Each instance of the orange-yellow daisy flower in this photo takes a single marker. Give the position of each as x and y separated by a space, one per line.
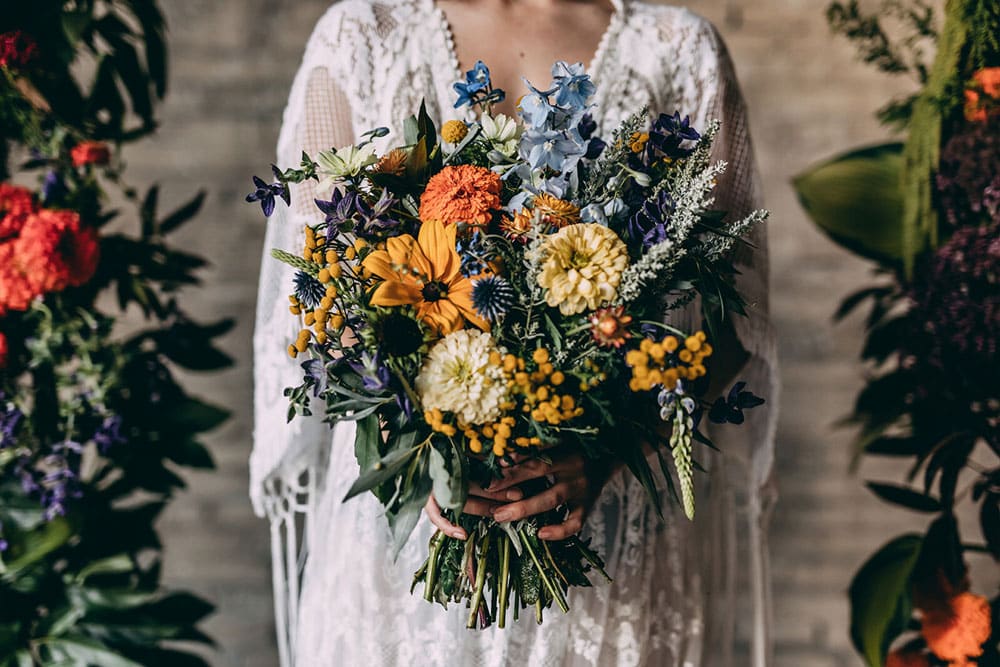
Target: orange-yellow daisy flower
465 193
424 272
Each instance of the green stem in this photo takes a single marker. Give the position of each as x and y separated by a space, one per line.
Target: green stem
504 582
477 597
592 559
538 611
553 590
552 562
437 542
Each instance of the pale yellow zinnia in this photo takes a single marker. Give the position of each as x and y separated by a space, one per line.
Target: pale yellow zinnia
582 267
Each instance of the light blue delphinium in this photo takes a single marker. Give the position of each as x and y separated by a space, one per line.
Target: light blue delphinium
572 86
559 151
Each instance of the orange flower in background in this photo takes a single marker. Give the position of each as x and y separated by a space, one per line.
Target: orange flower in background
425 272
16 291
989 81
465 193
55 251
90 152
956 631
904 658
16 204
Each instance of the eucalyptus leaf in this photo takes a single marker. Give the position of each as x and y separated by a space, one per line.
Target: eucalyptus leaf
448 477
381 471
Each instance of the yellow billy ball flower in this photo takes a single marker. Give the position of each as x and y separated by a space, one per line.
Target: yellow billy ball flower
454 131
582 267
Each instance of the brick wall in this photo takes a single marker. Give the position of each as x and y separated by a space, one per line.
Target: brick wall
232 65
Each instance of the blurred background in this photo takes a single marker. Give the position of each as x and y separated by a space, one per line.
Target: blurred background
233 63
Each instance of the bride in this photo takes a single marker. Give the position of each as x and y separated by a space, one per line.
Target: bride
691 594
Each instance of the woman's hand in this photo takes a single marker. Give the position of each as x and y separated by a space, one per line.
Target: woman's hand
480 503
574 484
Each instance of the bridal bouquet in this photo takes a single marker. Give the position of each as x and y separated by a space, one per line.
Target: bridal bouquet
484 294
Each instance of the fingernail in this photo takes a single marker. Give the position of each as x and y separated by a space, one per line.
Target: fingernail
501 516
458 534
515 494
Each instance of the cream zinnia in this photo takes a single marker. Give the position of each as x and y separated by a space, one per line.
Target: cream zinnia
458 377
582 267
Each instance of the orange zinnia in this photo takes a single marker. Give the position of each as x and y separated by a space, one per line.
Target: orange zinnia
465 193
957 631
989 80
425 272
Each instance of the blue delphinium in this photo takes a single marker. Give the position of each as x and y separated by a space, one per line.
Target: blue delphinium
477 88
557 150
492 297
573 87
266 193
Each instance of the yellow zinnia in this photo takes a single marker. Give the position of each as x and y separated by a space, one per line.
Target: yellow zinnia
582 267
424 272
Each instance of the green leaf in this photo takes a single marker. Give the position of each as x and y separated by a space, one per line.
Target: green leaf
905 497
33 546
119 564
183 214
85 652
880 598
448 477
856 199
381 471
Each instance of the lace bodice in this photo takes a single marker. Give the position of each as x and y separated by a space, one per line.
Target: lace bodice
369 63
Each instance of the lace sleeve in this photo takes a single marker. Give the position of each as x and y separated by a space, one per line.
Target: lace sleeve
748 451
288 459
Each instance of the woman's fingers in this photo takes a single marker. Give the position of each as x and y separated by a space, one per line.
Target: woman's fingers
558 494
571 466
500 495
433 512
572 525
480 506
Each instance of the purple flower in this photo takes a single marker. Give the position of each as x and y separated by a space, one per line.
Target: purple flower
375 376
374 223
10 421
266 194
53 187
669 133
968 178
109 434
648 224
340 212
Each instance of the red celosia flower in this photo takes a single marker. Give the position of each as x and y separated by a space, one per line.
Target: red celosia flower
90 152
16 204
989 81
16 291
17 49
3 350
55 251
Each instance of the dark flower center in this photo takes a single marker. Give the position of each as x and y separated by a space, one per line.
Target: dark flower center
399 335
434 291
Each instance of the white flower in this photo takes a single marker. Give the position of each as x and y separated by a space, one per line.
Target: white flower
459 377
338 164
502 132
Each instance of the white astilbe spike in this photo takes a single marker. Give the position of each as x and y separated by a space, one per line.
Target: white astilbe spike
656 263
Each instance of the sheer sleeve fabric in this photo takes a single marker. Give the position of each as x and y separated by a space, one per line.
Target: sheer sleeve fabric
744 468
288 459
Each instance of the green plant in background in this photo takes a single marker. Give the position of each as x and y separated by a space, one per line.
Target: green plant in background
927 212
93 425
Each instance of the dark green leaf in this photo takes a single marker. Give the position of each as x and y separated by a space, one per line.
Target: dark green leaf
880 598
381 471
85 652
906 497
857 200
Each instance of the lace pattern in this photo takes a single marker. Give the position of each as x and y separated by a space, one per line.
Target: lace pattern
686 594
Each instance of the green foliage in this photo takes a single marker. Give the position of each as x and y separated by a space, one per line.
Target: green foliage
876 620
84 588
856 200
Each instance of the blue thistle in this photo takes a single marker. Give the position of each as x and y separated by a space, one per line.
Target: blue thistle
308 290
492 297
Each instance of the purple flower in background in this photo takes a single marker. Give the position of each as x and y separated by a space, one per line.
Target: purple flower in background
968 178
10 420
109 434
53 187
954 338
374 374
266 193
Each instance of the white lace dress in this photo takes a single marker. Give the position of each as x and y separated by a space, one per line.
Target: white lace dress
685 594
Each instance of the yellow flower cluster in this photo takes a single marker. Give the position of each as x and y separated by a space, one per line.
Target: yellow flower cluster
637 142
541 389
453 131
666 362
